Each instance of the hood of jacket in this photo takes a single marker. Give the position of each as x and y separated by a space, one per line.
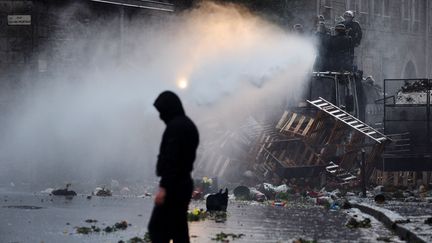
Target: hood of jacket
169 106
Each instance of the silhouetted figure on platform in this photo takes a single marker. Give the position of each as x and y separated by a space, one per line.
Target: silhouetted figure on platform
341 50
322 36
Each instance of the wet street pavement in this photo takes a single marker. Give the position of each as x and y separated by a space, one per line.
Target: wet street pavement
42 218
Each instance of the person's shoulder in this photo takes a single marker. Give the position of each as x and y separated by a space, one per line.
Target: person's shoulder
181 122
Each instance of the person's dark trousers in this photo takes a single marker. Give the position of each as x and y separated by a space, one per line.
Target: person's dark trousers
169 221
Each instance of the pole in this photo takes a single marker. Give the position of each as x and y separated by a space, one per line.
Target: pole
363 172
122 30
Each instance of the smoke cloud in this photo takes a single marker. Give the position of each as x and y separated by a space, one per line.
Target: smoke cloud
93 120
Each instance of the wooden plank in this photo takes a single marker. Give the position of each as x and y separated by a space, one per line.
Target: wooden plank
291 121
282 120
385 178
395 178
299 124
405 178
308 126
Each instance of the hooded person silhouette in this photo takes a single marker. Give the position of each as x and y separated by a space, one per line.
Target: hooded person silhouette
174 165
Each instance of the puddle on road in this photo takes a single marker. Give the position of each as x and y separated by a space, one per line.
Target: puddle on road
23 207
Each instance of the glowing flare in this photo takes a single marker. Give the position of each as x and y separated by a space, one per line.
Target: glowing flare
182 83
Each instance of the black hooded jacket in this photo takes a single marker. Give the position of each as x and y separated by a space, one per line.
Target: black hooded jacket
179 141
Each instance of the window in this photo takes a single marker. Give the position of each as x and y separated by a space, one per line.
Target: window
364 9
416 16
386 8
364 6
327 3
429 12
378 7
406 15
350 5
327 10
411 15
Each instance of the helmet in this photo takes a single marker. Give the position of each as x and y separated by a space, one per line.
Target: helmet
340 28
348 14
298 28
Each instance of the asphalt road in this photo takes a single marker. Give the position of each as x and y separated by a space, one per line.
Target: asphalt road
23 221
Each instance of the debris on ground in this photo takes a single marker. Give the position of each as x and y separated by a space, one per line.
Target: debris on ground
196 214
48 191
102 192
384 238
380 199
242 193
122 225
22 207
64 192
217 216
91 221
301 240
225 237
147 194
358 223
205 186
84 230
136 239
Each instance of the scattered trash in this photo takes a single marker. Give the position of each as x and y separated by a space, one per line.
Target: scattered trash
242 193
102 192
301 240
218 216
122 225
197 195
218 201
398 195
196 214
108 229
115 184
354 223
334 206
48 191
84 230
278 203
23 207
346 205
64 192
147 194
256 195
125 191
91 221
136 239
225 237
384 238
380 198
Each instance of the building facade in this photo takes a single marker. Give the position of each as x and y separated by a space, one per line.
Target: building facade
396 35
396 40
29 26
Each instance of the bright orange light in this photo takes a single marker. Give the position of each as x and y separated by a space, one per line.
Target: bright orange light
182 83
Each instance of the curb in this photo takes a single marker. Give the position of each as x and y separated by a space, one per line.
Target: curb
395 223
